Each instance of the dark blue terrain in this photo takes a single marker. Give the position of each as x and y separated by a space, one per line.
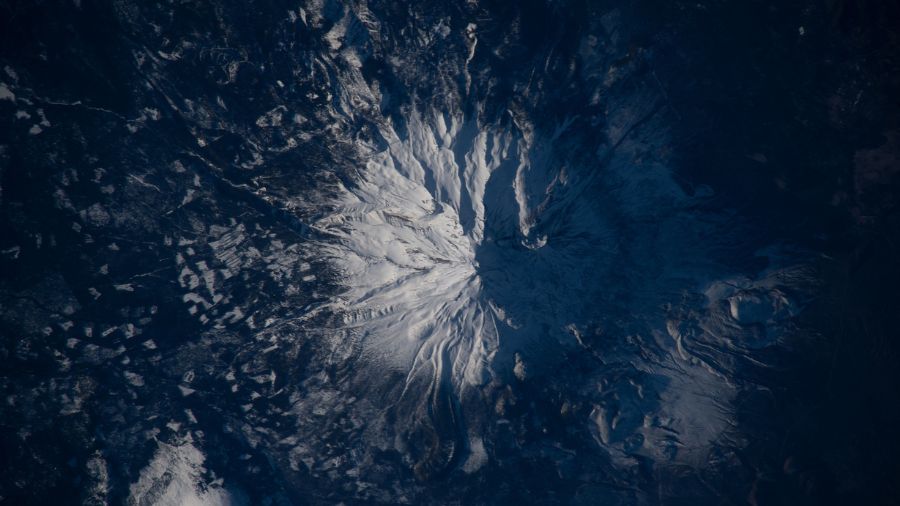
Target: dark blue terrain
450 252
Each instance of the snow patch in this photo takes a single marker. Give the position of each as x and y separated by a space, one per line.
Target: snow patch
175 477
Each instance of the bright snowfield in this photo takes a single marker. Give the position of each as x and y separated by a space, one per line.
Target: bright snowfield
408 241
175 477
